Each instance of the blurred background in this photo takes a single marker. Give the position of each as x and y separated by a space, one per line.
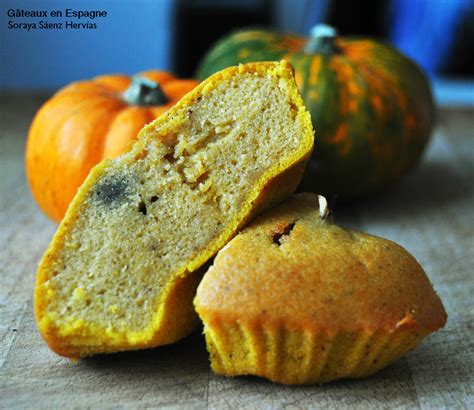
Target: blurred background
174 34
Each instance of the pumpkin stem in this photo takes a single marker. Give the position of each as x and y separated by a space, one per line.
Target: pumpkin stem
143 91
321 40
324 210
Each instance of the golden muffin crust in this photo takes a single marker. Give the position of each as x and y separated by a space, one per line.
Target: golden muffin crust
297 299
122 269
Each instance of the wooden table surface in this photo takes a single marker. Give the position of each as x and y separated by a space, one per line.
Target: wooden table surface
430 213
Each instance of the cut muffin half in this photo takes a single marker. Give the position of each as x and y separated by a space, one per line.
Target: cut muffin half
122 269
298 300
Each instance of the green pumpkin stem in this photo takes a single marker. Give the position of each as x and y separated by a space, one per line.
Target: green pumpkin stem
143 91
322 40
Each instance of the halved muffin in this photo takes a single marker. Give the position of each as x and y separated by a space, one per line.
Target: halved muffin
122 269
298 300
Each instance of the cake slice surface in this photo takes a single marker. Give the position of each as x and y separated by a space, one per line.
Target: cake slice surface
122 269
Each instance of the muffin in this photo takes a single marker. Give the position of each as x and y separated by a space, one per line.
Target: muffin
122 269
298 300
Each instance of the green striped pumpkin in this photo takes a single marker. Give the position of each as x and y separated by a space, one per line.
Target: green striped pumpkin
371 106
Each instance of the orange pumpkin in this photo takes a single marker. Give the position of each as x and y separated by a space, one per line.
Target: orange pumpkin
88 121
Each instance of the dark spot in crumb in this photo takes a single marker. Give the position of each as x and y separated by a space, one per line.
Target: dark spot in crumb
293 109
142 207
111 191
201 179
276 237
170 157
154 198
141 155
14 330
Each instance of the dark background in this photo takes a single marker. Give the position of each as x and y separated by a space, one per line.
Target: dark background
436 33
174 34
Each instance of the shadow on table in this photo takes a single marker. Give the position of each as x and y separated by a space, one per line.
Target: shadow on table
184 357
432 185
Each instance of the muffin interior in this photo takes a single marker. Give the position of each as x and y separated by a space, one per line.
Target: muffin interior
155 208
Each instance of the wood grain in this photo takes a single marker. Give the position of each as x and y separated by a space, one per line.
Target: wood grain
430 212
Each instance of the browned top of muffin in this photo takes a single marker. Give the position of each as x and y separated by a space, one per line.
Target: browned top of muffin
291 267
